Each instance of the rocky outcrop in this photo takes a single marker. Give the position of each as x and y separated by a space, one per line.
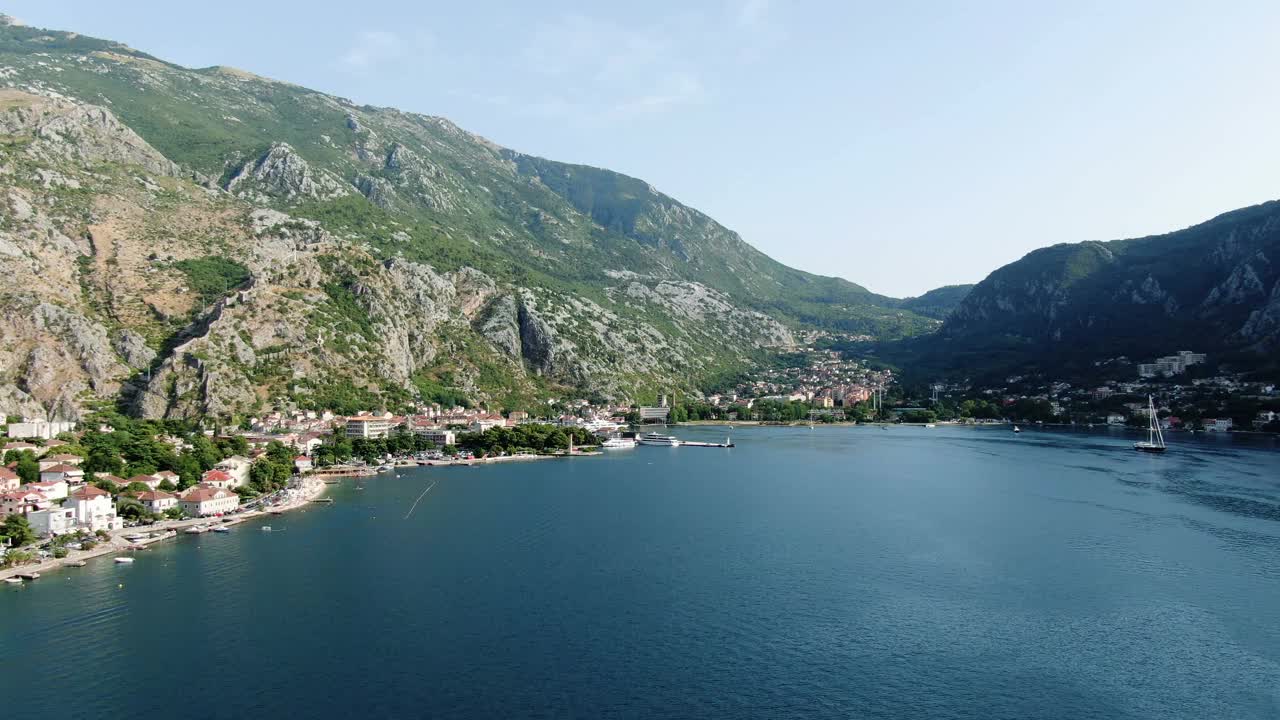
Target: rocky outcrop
281 172
537 344
65 131
500 325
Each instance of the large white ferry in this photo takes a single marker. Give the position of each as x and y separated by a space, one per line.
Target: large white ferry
657 439
618 443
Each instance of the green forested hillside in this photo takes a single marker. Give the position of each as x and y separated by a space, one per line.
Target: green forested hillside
387 255
1213 287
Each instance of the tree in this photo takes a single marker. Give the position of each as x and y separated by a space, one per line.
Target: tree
175 513
136 487
18 530
28 468
130 509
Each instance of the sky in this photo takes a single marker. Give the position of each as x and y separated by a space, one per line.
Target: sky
902 146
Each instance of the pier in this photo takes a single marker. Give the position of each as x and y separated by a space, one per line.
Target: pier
693 443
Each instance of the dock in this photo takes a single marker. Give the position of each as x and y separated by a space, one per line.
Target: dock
692 443
324 501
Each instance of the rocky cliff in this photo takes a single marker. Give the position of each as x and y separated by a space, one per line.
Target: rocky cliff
210 242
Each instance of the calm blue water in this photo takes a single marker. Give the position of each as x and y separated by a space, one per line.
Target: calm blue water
838 572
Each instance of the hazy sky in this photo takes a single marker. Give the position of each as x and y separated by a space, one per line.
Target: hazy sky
900 147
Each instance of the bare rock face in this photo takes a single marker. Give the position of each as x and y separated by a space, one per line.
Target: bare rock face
537 343
500 325
76 132
51 355
378 191
283 173
133 348
1262 329
474 289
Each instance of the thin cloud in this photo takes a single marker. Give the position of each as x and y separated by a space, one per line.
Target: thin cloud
372 48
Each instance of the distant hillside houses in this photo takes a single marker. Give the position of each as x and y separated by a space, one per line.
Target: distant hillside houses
1170 365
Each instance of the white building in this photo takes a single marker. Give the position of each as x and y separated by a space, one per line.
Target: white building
157 501
151 481
9 480
368 427
52 489
42 429
22 502
69 474
93 509
1218 424
238 467
53 521
437 436
203 501
218 479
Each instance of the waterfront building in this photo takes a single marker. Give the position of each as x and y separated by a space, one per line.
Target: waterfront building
654 414
93 509
203 501
157 501
1219 424
52 521
440 437
302 463
368 427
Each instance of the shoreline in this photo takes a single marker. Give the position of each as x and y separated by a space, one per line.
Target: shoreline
310 489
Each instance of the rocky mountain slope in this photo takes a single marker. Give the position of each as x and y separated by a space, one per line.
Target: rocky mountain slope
207 241
1214 287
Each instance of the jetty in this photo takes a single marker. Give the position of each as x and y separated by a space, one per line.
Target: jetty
693 443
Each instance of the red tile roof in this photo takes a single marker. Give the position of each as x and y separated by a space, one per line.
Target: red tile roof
60 468
153 495
215 476
90 491
203 493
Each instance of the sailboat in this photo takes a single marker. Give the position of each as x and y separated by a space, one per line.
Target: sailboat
1155 439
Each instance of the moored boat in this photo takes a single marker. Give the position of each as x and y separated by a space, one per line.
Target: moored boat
659 439
618 443
124 560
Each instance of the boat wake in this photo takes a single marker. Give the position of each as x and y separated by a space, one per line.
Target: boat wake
415 502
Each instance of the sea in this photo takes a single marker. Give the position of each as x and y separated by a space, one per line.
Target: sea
832 572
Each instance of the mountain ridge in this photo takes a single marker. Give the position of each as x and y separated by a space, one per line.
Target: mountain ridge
1211 287
268 244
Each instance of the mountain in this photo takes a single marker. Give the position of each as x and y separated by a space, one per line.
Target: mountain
1213 287
193 242
937 303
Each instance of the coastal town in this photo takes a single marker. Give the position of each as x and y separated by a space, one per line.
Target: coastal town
69 490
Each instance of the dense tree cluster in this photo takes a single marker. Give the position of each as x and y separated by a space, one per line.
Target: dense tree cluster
530 437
